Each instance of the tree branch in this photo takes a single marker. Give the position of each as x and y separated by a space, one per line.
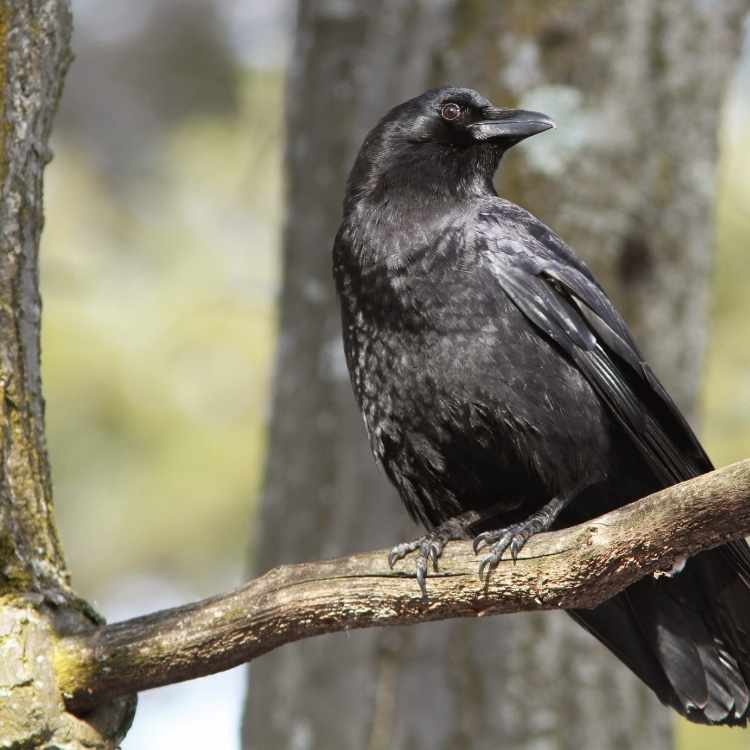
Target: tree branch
578 567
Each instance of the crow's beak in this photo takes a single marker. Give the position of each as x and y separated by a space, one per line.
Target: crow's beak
509 125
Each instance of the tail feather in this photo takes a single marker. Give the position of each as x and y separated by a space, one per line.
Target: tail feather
727 690
612 623
687 636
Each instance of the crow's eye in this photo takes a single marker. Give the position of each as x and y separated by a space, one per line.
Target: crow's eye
450 111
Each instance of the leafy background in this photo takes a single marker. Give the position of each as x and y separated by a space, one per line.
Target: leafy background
160 269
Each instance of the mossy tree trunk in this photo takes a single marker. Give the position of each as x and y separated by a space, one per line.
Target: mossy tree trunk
36 602
627 179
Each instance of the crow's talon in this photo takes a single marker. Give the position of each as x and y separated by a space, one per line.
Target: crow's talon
421 566
400 551
487 560
512 538
430 547
483 540
515 548
434 553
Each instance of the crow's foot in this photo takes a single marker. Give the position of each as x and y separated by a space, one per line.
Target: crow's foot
430 546
513 537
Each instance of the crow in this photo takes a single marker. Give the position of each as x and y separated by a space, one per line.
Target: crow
503 394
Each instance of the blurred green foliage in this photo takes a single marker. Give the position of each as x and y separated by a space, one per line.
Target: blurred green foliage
726 423
157 345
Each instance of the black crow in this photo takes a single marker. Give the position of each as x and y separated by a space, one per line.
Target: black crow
503 394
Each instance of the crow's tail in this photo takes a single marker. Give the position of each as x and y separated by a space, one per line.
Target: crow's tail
687 637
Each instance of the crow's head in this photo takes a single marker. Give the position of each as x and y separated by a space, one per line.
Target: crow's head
461 118
446 139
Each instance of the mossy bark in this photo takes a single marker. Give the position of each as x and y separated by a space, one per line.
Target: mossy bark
627 180
36 602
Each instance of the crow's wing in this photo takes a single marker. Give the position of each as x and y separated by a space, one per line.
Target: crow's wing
695 625
559 296
555 290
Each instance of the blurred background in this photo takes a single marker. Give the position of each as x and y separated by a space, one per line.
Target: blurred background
161 267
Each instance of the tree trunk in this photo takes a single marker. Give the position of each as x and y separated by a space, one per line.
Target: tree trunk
627 180
35 599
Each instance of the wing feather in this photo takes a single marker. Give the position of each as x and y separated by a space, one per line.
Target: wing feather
566 304
704 655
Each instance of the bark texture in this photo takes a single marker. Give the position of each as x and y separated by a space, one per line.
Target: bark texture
627 180
35 599
33 66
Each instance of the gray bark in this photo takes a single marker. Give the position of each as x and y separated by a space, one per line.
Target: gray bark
627 180
36 602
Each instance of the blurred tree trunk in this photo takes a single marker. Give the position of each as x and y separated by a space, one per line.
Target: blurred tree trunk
35 598
627 180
